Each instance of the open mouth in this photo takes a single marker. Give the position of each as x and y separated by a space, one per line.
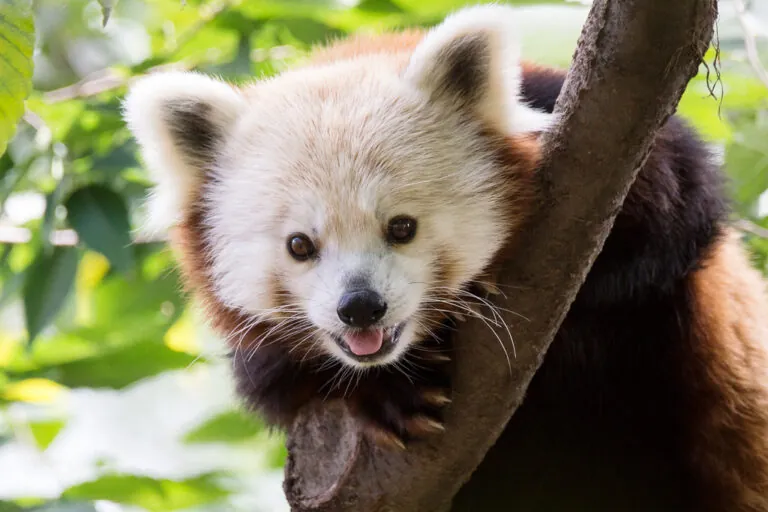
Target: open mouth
369 344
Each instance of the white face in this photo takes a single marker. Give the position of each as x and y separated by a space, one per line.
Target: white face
391 203
354 196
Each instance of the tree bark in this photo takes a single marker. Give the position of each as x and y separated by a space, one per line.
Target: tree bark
632 64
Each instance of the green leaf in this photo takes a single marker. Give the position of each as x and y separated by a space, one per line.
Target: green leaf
17 41
119 367
747 163
153 495
54 350
379 6
758 248
11 285
309 31
278 456
48 281
45 432
126 309
100 217
228 427
65 506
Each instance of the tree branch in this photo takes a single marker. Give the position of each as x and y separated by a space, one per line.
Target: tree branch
631 67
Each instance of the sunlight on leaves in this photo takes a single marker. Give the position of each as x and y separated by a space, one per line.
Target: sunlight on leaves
35 391
17 39
116 368
153 495
182 335
45 432
228 427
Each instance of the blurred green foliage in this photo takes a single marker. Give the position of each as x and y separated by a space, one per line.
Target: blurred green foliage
81 307
16 47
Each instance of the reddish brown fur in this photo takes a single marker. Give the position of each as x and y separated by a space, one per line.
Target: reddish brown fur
360 45
394 43
728 381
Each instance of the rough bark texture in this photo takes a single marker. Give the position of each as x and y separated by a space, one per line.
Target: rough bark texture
632 64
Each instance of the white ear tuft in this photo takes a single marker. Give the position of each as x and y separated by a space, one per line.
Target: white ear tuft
179 120
472 61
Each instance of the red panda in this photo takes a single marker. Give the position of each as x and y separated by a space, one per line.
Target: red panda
333 220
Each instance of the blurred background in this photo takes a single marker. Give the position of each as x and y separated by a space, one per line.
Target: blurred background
113 394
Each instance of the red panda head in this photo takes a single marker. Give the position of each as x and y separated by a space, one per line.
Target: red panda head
342 207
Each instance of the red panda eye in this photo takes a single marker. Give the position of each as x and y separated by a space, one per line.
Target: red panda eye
401 229
300 247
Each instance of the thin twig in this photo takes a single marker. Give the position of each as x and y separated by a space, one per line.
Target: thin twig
101 81
750 42
110 79
747 226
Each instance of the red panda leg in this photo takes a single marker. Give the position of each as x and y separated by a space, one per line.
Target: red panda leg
728 382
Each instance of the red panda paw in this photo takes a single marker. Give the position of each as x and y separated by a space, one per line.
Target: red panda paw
394 425
397 409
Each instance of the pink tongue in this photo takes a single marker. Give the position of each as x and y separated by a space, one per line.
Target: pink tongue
363 343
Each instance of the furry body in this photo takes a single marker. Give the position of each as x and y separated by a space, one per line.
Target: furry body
653 395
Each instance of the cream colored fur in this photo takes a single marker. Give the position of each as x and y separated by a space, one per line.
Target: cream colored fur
501 106
176 181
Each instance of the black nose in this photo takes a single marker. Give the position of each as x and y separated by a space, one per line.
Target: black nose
361 308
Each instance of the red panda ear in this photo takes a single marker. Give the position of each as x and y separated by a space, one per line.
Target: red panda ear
472 62
180 121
